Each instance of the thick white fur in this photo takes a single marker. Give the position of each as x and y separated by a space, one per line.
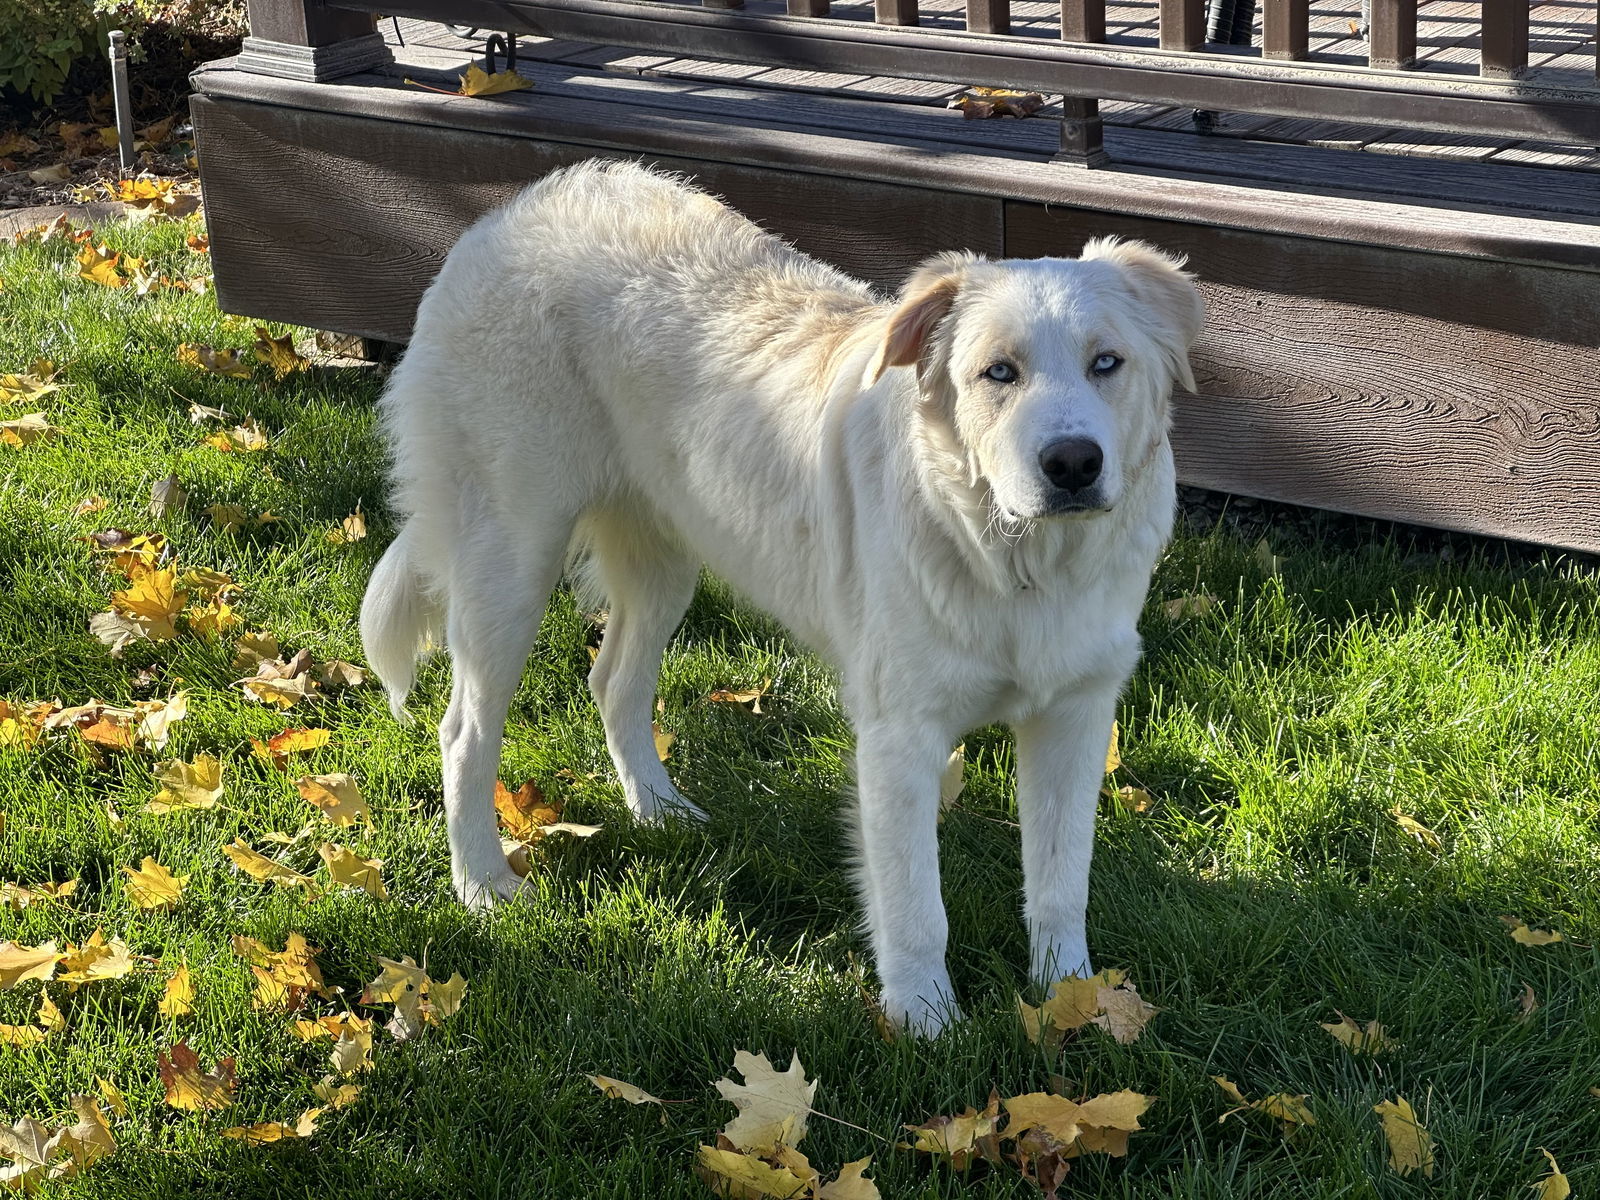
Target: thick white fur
619 365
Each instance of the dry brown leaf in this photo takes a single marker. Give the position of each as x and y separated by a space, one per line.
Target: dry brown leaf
1291 1111
186 786
166 495
751 696
1410 1147
279 353
213 361
337 797
478 82
1553 1186
985 102
266 1132
190 1088
25 431
352 529
773 1105
960 1138
349 869
1374 1039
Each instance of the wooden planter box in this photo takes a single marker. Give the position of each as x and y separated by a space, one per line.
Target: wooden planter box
1383 339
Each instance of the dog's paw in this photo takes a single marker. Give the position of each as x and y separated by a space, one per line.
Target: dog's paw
482 890
657 809
925 1017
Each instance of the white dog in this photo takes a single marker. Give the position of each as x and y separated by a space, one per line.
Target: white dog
957 498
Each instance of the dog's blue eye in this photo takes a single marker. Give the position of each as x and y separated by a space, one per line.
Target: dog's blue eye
1106 364
1002 372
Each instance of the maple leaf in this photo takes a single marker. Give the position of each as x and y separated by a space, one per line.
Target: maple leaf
335 1095
1528 1004
265 870
209 621
735 1174
19 897
187 786
1106 1000
416 998
1134 800
155 600
20 963
153 886
401 984
1195 605
283 977
282 683
1523 936
25 431
1114 749
851 1183
90 505
352 1052
97 264
750 696
334 1026
1553 1186
953 780
279 353
352 529
95 961
265 1132
113 1096
191 1089
253 649
1416 829
478 82
336 673
524 812
1410 1147
165 495
25 388
198 242
349 869
213 361
664 741
156 718
961 1137
337 797
280 746
177 998
984 102
772 1105
1289 1109
1374 1039
247 438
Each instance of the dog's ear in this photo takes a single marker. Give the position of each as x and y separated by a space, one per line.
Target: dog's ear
1163 288
924 301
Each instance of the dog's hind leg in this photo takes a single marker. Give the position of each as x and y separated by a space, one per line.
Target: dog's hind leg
497 589
649 581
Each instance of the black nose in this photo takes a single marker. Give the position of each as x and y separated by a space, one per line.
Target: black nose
1072 464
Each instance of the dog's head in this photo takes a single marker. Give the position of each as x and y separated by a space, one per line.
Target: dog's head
1054 374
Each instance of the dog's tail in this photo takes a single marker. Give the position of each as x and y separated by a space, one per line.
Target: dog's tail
400 621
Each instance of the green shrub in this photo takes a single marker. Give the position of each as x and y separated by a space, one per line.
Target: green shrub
41 39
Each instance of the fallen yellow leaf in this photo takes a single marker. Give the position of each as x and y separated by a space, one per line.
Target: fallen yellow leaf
177 999
1410 1147
152 885
349 869
478 82
191 1089
187 785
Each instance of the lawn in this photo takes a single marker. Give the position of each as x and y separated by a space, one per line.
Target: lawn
1267 888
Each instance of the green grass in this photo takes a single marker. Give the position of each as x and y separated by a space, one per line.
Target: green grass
1268 888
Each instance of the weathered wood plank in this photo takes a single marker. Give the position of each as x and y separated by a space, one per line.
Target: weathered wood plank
1408 386
334 260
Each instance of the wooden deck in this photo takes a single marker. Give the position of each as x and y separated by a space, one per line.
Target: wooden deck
1562 53
1400 325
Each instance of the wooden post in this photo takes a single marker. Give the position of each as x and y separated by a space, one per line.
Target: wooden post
309 41
1505 39
722 3
895 12
807 8
1392 40
1082 133
1285 28
1083 20
989 16
1183 24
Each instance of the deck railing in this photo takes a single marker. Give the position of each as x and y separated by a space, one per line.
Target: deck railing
1505 99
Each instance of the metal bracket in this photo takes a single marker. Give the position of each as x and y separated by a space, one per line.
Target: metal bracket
505 44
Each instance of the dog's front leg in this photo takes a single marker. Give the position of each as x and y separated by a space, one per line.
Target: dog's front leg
897 767
1061 756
